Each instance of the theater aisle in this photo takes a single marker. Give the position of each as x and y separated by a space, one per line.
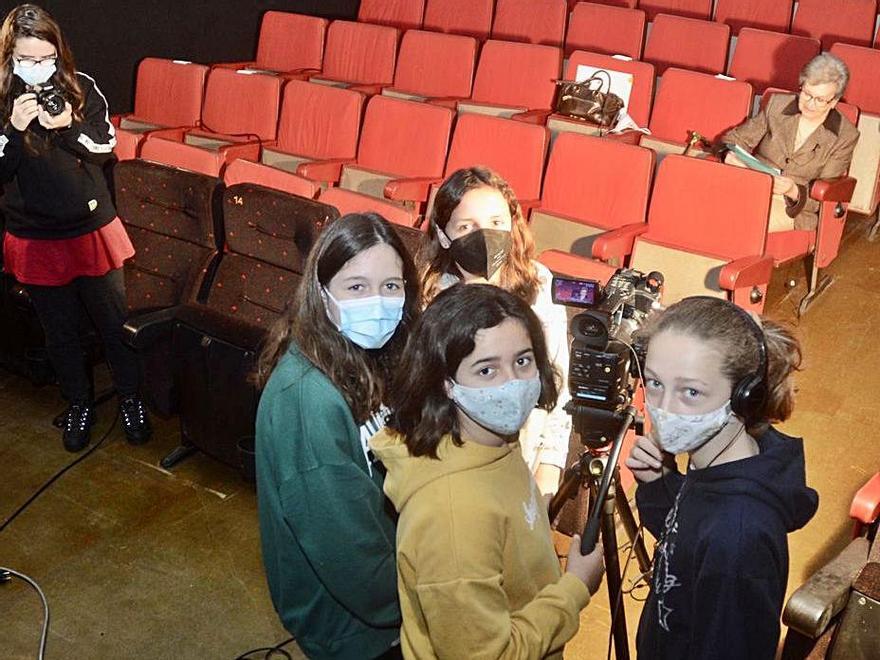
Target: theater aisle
141 563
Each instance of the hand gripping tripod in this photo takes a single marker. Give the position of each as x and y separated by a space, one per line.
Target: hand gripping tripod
597 469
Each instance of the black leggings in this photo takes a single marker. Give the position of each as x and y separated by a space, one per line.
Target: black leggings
60 309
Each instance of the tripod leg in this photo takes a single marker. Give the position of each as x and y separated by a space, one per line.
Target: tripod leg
612 573
629 524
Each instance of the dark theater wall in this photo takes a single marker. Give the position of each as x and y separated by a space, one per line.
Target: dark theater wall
109 37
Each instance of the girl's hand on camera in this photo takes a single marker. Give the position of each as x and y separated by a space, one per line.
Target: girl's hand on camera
64 120
588 568
24 109
647 461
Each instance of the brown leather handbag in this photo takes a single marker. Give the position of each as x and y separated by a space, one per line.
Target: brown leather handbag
591 100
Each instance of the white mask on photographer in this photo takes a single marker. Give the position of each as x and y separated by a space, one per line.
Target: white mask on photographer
37 74
502 409
679 434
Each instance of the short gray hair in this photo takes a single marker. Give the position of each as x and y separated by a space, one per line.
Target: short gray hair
826 68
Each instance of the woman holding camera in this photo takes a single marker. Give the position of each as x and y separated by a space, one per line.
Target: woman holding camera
478 573
715 380
63 240
327 530
478 234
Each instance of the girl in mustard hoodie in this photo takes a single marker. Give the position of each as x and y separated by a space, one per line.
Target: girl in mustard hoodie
477 572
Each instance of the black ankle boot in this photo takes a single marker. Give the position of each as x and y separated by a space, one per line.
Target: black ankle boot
135 421
78 426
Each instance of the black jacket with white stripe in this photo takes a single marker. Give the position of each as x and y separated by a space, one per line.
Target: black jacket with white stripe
58 189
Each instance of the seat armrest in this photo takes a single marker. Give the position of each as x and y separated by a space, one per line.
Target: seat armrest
231 330
527 205
617 243
324 171
865 506
833 190
746 272
249 150
243 64
538 117
145 329
414 189
299 74
173 134
369 89
813 605
450 102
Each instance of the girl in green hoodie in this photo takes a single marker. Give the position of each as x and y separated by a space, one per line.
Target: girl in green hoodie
478 574
327 530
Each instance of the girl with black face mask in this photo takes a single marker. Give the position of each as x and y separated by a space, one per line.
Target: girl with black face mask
478 235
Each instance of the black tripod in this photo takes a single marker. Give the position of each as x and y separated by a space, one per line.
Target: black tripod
597 468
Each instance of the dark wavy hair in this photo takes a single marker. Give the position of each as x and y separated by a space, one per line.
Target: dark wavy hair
518 274
421 410
33 21
361 375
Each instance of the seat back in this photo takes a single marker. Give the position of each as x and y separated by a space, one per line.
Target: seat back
472 18
532 21
436 65
241 104
590 183
348 201
246 171
600 28
775 15
831 21
701 9
863 64
169 93
517 74
402 14
639 107
360 53
516 150
688 100
688 43
771 59
319 121
277 50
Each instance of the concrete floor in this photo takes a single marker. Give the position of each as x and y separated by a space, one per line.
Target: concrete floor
138 562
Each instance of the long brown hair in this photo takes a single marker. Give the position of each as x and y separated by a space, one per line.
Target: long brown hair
362 376
518 274
33 21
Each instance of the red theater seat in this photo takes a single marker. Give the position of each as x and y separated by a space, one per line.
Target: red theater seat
246 171
687 43
348 201
167 94
515 78
240 112
289 43
831 21
532 21
359 55
472 18
604 29
591 186
433 66
701 9
626 4
762 14
402 14
771 59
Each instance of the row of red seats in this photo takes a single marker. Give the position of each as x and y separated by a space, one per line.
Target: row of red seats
544 21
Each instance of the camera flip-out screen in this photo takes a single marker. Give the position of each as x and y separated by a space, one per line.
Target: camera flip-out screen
577 293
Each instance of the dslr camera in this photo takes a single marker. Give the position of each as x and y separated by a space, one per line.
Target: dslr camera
602 369
49 99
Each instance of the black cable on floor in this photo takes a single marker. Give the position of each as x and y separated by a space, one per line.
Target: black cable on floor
60 473
270 651
4 573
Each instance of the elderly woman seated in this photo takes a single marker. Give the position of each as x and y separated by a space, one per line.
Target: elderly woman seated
804 137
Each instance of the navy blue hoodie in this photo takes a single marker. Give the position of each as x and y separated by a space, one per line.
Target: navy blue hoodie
721 566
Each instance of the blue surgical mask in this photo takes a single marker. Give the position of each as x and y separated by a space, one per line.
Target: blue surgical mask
503 408
368 322
35 75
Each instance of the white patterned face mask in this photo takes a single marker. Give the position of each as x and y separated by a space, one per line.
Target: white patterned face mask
679 434
502 409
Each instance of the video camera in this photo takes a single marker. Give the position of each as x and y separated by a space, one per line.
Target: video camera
601 368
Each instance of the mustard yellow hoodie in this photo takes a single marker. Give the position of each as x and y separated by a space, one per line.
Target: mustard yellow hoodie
477 573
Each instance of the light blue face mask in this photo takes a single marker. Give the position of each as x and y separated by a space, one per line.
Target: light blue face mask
368 322
35 75
503 408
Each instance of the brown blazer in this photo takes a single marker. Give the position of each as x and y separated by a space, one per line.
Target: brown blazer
825 154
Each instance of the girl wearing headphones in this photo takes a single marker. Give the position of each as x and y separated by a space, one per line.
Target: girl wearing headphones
715 380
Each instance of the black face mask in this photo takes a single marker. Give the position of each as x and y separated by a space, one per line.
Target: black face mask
482 252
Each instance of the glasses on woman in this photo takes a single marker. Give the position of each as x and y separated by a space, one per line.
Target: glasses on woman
31 62
818 100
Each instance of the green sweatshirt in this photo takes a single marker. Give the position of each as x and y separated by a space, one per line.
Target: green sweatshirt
327 535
